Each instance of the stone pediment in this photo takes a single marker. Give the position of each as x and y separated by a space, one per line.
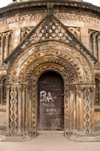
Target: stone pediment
50 28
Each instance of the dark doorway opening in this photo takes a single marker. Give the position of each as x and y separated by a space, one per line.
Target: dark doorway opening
50 102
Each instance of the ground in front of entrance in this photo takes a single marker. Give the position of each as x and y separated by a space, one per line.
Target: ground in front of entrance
49 143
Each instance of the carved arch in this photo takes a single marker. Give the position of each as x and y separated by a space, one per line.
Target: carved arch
60 51
4 47
34 79
9 43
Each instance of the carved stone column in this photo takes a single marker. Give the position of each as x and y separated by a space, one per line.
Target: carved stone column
77 107
92 89
2 50
66 109
98 48
6 53
99 92
27 99
7 106
72 111
23 108
79 104
71 105
13 108
88 101
1 94
30 109
94 46
19 87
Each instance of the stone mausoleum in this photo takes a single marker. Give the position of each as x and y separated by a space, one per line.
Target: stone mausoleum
50 70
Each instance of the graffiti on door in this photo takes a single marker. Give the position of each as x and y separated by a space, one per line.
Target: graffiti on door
47 101
46 97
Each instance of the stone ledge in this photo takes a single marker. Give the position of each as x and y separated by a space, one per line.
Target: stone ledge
96 133
12 139
96 108
37 3
2 132
3 127
85 139
16 138
3 108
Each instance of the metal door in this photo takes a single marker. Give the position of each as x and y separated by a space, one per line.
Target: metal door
50 102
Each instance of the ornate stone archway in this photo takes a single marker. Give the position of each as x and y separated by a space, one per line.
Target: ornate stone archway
77 73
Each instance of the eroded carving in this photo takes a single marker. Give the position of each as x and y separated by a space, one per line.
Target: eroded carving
27 17
84 18
52 49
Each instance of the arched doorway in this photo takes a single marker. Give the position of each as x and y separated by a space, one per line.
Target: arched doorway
50 102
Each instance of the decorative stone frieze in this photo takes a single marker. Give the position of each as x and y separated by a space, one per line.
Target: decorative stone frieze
21 18
75 17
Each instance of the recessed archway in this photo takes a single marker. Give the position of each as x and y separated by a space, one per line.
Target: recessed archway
50 102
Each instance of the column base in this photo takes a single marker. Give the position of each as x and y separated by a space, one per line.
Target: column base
84 138
16 138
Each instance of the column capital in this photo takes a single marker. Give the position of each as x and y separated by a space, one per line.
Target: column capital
98 38
13 87
86 87
92 87
27 87
19 87
8 87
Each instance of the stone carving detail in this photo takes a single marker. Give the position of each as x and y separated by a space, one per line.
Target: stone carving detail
94 41
84 18
37 52
61 16
21 18
13 110
5 44
75 31
50 29
34 107
3 91
87 111
71 74
25 31
97 118
97 91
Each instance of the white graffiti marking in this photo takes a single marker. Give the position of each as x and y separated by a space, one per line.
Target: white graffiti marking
46 97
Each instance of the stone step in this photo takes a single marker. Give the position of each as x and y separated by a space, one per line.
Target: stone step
13 139
50 133
2 132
